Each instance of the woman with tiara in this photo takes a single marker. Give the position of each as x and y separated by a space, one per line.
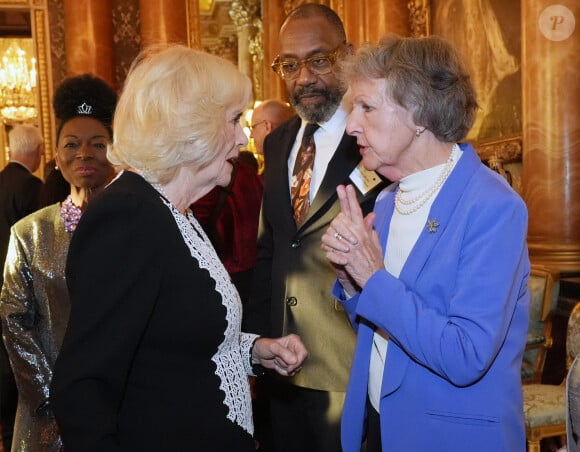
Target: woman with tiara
34 303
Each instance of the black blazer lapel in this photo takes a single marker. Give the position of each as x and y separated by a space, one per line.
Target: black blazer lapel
343 162
277 147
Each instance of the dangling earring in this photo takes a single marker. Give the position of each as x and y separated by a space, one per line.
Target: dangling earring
419 132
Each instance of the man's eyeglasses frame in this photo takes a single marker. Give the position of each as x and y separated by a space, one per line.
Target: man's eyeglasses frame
252 126
277 65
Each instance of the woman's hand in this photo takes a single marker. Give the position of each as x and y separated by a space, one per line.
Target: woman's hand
351 243
285 354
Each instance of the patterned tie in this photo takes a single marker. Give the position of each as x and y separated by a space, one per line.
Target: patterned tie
302 174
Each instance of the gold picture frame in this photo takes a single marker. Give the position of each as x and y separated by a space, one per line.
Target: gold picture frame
38 11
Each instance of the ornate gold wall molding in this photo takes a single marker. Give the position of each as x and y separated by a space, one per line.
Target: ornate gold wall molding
42 42
289 5
504 156
256 49
244 12
193 24
506 150
338 7
246 15
420 18
40 37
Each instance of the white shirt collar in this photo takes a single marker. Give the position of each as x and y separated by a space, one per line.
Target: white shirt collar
336 124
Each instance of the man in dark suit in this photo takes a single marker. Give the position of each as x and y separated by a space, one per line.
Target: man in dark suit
19 196
19 188
293 279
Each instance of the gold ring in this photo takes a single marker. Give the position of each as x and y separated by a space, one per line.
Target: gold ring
338 236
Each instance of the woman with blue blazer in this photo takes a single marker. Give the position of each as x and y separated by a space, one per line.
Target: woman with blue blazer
435 279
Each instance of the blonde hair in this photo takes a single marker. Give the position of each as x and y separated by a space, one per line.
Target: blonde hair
172 110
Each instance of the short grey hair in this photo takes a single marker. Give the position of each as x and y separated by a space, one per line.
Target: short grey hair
24 139
423 75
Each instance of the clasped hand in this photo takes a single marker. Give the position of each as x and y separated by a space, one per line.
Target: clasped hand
285 354
351 244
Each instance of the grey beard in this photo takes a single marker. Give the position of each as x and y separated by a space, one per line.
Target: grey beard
320 113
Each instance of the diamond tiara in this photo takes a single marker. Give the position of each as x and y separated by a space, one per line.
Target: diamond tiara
84 109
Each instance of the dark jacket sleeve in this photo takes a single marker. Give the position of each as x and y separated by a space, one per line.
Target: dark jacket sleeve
113 274
256 318
28 199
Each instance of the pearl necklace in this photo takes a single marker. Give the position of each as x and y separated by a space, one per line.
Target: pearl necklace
409 206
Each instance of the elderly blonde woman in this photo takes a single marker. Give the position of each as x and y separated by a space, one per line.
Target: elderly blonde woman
153 357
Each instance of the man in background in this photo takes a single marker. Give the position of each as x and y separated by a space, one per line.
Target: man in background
19 188
292 278
19 196
229 215
266 117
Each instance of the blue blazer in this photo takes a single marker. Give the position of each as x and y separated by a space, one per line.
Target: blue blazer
457 319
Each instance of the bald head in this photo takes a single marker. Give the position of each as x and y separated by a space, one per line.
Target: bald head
266 117
309 10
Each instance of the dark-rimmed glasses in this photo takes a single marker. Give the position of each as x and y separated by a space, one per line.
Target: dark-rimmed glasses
252 126
318 65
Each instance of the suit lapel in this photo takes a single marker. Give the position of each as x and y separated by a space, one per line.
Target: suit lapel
440 213
343 162
277 147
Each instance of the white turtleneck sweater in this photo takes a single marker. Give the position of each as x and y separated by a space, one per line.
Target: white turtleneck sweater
404 231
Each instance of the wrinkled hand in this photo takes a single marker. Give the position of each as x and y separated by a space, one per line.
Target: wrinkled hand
285 354
351 243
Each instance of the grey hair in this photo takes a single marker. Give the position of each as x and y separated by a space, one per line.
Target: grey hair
24 140
423 75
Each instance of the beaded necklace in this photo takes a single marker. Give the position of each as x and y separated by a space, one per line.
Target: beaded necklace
70 214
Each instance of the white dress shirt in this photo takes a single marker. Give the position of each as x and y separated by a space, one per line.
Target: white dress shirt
327 138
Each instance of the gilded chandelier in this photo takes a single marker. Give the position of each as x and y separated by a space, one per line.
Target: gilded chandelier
17 85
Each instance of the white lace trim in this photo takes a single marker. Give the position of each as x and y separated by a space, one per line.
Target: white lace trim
232 358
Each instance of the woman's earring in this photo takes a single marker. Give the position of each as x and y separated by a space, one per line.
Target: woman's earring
419 131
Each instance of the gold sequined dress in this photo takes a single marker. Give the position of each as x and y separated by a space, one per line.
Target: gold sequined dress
34 307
